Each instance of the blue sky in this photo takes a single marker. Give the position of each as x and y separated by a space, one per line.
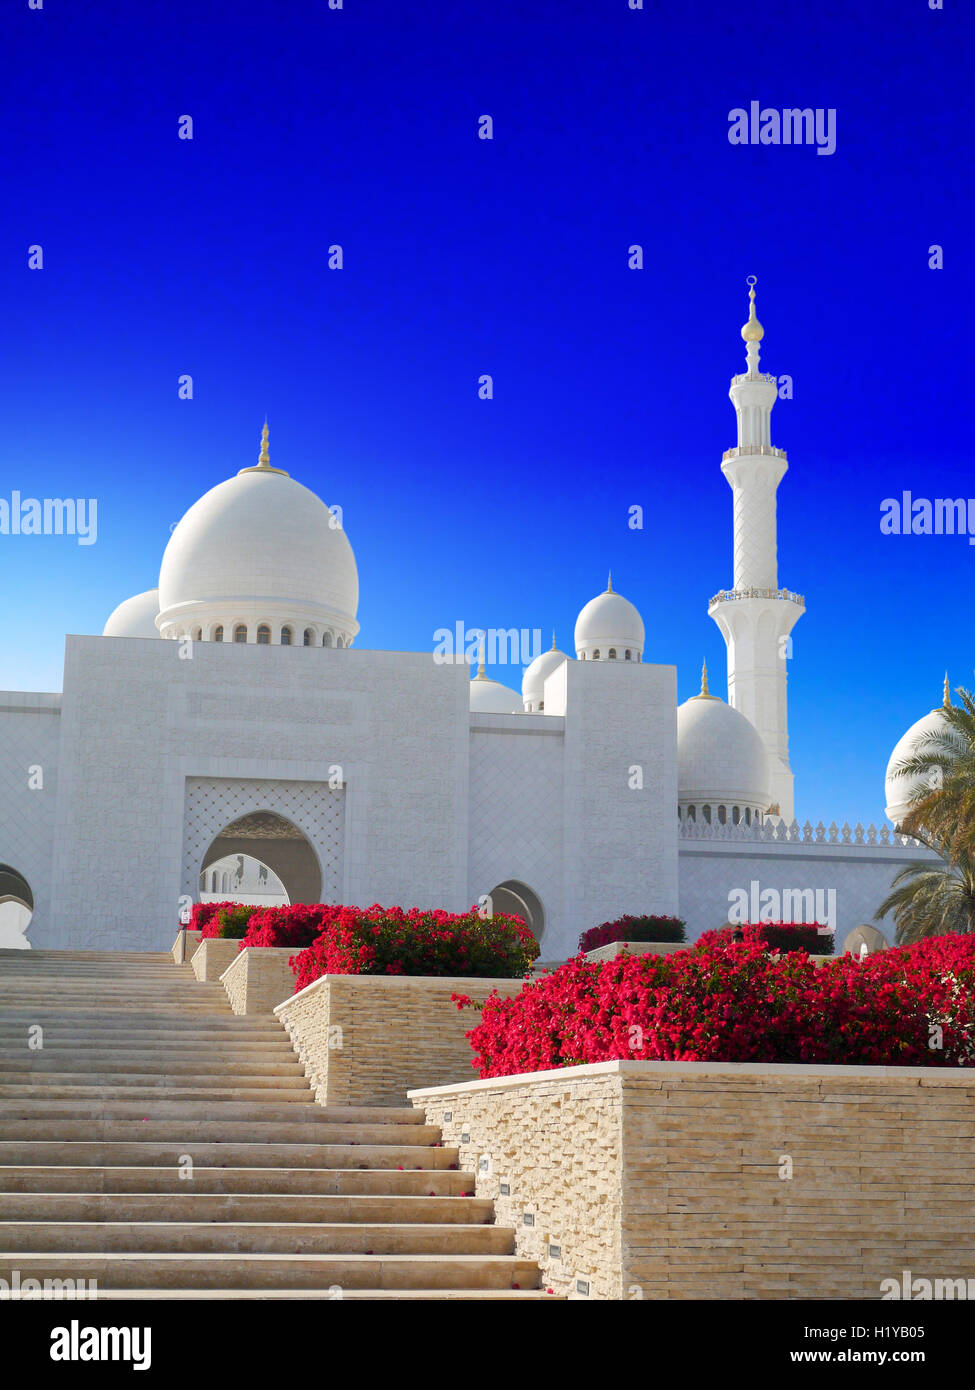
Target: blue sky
462 257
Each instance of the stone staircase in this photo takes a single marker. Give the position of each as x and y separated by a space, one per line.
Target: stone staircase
168 1149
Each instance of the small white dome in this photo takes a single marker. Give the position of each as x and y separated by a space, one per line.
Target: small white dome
536 674
260 547
491 697
721 757
136 617
900 789
608 627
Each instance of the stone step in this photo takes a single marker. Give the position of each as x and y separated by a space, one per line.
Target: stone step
290 1208
147 1045
288 1093
372 1118
295 1130
253 1237
181 1039
238 1270
174 1019
156 1153
151 1064
61 1180
345 1295
52 954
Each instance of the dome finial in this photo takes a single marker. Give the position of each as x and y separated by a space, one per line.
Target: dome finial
264 459
752 332
609 583
704 679
554 648
947 704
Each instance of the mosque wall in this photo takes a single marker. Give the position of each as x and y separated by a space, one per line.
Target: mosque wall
846 881
29 737
141 722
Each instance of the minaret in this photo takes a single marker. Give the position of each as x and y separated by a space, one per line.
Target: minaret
756 616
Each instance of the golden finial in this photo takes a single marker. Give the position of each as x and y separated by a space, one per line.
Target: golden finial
609 583
480 671
704 679
753 332
554 648
947 704
264 460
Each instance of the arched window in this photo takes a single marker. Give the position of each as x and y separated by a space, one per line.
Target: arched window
339 641
723 815
263 635
326 639
595 655
735 815
286 635
198 635
213 881
218 633
628 654
748 815
240 633
309 637
692 813
707 813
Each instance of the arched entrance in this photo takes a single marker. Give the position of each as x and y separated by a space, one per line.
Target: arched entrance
520 901
273 842
16 909
245 879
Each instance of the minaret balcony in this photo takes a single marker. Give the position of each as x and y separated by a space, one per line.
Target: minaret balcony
734 595
745 449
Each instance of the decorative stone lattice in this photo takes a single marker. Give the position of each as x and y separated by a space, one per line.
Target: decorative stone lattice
213 804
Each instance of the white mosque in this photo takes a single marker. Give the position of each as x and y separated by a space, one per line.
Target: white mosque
260 753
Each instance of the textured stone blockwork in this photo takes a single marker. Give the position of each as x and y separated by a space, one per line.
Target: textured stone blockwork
259 978
700 1180
365 1039
212 956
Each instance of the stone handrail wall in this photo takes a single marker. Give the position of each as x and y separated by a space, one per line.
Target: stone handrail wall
365 1039
259 978
720 1181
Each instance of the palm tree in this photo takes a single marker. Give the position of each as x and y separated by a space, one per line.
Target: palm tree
932 899
943 805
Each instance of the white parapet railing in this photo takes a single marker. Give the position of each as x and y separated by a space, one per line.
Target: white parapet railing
776 831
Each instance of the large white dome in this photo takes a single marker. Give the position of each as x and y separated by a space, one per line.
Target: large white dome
536 674
899 788
263 553
136 617
609 628
721 759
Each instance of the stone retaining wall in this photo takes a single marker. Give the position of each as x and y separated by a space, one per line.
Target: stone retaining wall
365 1039
700 1180
212 956
258 978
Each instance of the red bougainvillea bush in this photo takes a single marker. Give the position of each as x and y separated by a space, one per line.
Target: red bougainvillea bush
644 928
780 936
229 921
298 924
202 914
737 1002
391 941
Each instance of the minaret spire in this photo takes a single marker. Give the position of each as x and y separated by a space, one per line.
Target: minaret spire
609 583
947 704
756 616
264 458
